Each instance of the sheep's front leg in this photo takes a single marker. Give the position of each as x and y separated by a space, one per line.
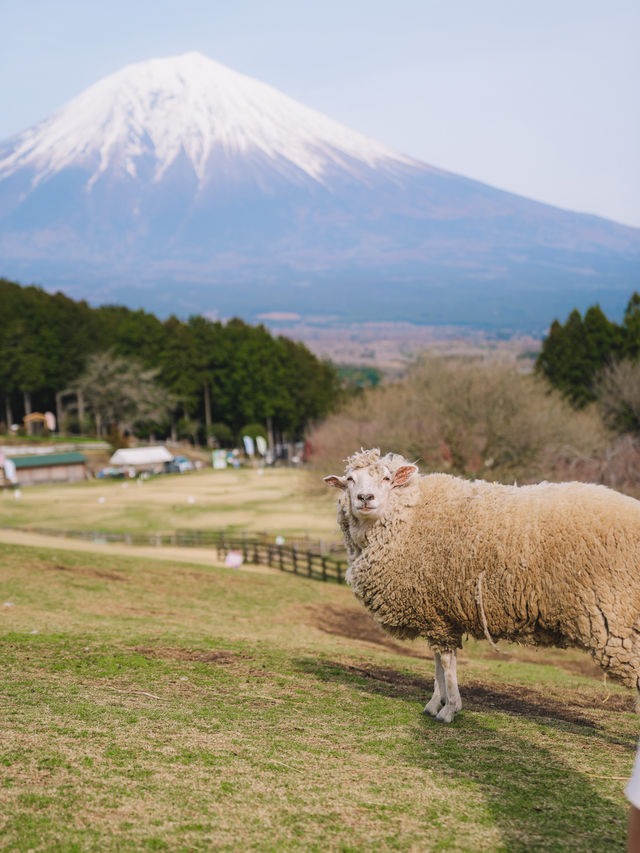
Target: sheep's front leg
439 688
453 702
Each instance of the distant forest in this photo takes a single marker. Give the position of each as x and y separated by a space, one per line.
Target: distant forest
111 367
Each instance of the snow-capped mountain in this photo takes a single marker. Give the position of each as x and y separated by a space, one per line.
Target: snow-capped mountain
172 179
193 107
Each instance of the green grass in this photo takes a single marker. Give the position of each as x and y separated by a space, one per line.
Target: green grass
10 438
173 707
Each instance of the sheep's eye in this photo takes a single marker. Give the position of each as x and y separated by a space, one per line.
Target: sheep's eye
386 479
349 479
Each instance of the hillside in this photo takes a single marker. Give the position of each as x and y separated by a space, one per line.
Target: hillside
168 706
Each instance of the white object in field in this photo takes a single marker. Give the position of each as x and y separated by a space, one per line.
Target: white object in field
233 560
140 456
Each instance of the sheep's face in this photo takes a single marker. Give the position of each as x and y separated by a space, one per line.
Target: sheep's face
369 488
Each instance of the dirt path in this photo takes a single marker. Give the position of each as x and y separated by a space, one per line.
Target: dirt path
202 556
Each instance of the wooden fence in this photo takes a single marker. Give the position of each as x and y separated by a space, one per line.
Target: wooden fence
315 560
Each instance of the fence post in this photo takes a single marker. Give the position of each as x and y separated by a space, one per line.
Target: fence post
324 568
280 560
245 555
294 557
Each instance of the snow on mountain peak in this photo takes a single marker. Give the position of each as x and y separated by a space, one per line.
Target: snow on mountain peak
188 104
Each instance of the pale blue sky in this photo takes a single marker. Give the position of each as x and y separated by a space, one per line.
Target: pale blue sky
540 97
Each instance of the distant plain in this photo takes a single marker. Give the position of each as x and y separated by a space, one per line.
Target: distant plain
277 500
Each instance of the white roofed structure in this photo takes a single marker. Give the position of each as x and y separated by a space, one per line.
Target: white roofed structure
141 456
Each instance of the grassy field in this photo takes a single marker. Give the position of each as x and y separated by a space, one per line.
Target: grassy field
152 705
279 500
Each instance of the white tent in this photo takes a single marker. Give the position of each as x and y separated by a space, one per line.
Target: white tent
139 456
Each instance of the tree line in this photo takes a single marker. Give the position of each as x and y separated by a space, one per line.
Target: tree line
193 378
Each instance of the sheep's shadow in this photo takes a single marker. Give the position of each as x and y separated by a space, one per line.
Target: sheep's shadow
526 789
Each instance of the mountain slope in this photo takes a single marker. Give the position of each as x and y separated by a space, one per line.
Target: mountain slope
172 179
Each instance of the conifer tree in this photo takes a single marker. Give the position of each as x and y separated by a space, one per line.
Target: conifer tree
575 355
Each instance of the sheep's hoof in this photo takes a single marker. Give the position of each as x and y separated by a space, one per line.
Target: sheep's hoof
432 708
446 714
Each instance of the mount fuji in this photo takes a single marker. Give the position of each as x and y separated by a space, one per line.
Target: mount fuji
181 186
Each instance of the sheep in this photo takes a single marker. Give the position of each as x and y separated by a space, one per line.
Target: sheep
438 556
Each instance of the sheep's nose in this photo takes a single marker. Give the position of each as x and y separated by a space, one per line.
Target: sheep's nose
365 498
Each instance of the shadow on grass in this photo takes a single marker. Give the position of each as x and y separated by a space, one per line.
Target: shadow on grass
535 798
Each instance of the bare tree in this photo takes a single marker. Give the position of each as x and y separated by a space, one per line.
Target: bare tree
468 418
618 392
121 391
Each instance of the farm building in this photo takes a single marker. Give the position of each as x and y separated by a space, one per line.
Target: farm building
142 458
50 468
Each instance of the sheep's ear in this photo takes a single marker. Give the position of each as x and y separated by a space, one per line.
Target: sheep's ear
336 482
403 475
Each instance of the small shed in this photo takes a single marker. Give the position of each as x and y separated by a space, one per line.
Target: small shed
36 423
141 458
50 468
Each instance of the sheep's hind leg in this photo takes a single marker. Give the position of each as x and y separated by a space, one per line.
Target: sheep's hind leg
439 688
453 701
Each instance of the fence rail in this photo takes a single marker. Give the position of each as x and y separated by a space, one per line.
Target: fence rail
299 556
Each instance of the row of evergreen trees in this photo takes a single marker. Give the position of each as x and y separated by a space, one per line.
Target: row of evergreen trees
217 376
575 354
213 378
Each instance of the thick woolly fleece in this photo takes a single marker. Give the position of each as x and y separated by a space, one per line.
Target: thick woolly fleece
550 564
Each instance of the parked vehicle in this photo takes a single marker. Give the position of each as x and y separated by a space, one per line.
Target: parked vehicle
183 463
178 465
111 473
